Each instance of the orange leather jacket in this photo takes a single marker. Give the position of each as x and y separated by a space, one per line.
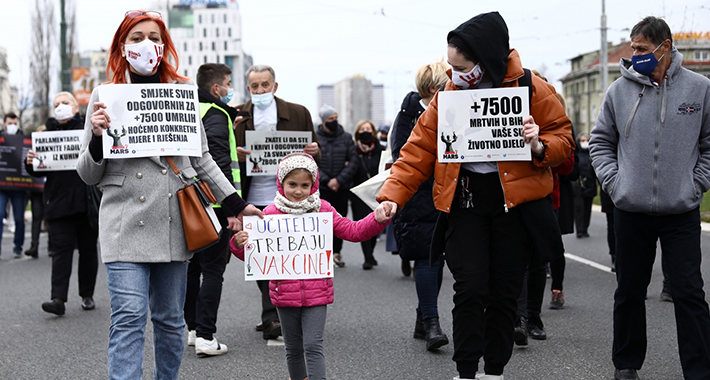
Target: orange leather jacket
522 181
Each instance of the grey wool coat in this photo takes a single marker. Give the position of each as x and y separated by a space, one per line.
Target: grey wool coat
139 217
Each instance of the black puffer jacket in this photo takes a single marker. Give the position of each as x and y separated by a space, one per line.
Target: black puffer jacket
64 192
414 224
338 158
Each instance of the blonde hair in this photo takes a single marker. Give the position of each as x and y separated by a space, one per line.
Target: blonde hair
431 75
360 124
68 95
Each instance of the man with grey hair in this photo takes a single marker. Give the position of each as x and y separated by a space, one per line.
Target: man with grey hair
650 149
265 112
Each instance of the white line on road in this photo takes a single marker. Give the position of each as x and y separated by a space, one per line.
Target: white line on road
275 342
591 263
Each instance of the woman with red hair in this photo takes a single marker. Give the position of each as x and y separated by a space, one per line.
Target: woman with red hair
140 227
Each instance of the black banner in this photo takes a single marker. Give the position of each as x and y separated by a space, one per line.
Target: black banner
13 176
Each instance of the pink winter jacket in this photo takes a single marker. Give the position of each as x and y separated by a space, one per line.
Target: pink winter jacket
317 291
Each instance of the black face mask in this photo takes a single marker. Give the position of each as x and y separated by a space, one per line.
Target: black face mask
365 137
332 125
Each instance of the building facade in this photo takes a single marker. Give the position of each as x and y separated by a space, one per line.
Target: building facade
210 31
582 90
355 98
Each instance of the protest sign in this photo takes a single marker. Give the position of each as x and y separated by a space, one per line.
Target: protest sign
289 246
56 150
151 120
483 125
13 176
268 148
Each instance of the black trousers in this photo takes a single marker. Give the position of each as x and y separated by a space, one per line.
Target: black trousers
37 216
67 233
636 237
360 211
202 298
339 201
532 292
487 251
582 213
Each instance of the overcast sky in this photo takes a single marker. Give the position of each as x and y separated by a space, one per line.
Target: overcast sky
313 42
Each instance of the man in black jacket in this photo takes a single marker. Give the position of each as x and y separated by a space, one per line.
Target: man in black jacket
202 300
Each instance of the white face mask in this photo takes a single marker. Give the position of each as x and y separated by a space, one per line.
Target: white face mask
471 79
262 101
144 56
584 145
11 129
63 112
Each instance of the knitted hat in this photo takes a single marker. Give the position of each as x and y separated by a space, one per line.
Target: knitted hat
326 111
295 161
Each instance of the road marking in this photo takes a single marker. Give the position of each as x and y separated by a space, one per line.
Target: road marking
591 263
275 342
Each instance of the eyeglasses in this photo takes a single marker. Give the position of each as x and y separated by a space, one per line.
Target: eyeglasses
155 15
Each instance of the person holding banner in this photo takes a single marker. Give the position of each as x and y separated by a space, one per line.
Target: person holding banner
140 225
495 214
301 304
66 204
266 112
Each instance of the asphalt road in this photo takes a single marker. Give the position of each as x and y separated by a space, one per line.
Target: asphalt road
368 331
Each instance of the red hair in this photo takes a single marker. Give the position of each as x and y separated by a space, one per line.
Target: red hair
117 64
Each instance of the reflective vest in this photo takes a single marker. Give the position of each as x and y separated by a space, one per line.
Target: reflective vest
236 179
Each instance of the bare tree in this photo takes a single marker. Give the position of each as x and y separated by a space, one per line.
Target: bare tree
72 40
43 42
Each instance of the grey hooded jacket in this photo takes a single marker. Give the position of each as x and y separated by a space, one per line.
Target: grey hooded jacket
650 147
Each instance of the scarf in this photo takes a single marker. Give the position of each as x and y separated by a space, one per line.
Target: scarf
310 204
362 148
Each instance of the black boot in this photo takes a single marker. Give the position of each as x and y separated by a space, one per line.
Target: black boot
520 336
419 329
536 329
32 252
435 338
55 306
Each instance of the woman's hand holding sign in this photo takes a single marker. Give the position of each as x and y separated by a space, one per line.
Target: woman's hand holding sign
530 136
99 119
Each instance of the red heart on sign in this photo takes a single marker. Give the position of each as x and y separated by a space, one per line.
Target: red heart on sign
247 226
325 221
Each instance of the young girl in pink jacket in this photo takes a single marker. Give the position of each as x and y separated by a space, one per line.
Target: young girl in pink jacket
301 304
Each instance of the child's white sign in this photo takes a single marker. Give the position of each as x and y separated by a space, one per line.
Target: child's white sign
56 150
483 125
151 120
268 148
289 246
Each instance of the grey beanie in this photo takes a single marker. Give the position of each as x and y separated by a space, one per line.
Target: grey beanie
326 111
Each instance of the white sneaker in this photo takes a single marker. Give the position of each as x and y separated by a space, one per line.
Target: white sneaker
191 336
205 347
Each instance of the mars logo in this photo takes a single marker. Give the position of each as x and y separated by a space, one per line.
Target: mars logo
41 164
449 152
133 54
255 162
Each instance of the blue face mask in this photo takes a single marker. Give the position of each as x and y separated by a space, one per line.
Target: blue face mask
262 101
226 99
646 63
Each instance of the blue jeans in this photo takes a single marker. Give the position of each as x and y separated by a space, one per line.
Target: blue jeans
134 287
428 284
18 210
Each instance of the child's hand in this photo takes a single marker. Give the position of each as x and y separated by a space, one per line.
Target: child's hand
240 239
385 211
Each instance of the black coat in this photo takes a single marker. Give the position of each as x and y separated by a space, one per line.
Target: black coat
64 192
369 164
414 224
565 213
587 177
338 158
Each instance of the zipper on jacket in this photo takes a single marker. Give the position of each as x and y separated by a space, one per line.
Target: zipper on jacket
654 203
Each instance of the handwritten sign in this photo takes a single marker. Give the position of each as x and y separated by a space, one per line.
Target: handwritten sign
289 246
268 148
56 150
151 120
483 125
13 176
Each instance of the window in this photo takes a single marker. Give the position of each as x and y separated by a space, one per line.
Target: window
184 46
213 46
205 60
225 45
229 32
204 32
225 18
218 58
216 32
186 72
189 60
200 45
212 18
199 19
